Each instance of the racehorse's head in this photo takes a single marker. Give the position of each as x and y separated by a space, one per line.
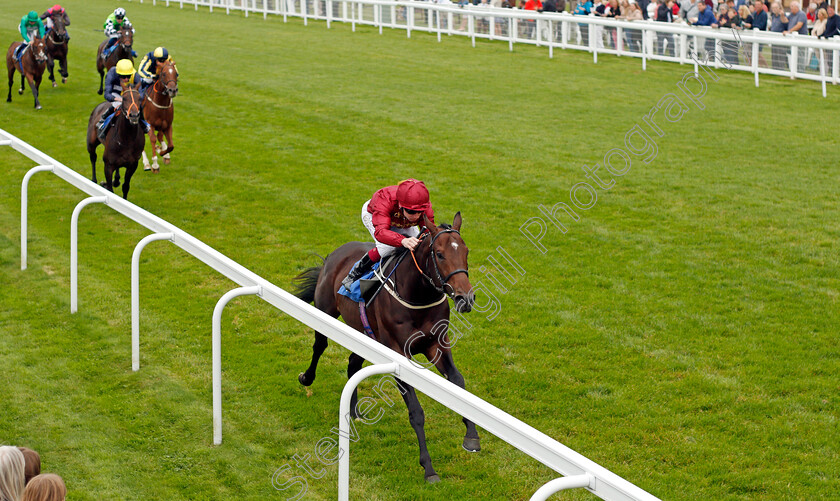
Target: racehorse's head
39 49
169 78
126 39
58 31
449 270
131 103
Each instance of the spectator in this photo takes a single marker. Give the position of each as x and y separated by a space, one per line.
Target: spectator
613 12
664 15
746 17
730 20
652 9
583 9
797 23
819 24
811 15
643 5
11 473
832 23
704 16
634 37
778 55
46 487
760 17
689 10
675 9
32 463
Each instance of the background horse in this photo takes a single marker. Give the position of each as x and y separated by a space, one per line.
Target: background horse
160 113
32 66
122 50
57 49
437 268
124 141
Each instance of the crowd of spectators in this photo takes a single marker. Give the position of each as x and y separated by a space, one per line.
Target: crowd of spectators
21 478
820 20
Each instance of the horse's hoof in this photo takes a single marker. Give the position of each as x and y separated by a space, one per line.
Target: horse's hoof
55 85
147 168
166 160
433 479
155 171
302 380
64 80
38 107
116 183
103 184
20 92
471 445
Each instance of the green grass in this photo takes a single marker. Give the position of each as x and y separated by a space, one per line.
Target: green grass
683 333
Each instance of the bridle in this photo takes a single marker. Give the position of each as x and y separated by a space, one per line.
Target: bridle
443 281
131 105
52 36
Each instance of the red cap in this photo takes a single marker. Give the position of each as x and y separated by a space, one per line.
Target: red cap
56 8
413 195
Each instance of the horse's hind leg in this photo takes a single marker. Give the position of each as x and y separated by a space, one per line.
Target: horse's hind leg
50 67
22 80
325 303
116 183
168 142
418 420
353 366
446 366
308 377
109 174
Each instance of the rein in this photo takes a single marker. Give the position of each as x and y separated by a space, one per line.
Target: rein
443 281
51 38
149 97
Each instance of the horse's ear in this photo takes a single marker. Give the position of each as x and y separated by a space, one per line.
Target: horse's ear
432 228
456 222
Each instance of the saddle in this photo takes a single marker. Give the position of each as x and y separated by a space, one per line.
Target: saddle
20 51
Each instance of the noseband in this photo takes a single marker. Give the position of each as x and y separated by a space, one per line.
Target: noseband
444 282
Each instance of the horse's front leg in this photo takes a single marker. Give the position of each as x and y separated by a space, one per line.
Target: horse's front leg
129 171
11 72
418 420
63 69
446 366
109 175
171 146
34 86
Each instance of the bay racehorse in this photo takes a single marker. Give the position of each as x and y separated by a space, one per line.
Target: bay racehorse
122 50
57 49
159 112
412 318
124 141
31 67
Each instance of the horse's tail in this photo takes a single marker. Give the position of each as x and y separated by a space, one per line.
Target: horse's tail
306 282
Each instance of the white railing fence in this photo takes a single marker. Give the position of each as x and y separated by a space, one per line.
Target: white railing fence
574 467
757 52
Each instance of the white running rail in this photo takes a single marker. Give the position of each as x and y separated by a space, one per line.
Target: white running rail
794 56
532 442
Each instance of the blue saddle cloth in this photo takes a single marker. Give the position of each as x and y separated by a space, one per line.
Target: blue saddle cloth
18 55
355 292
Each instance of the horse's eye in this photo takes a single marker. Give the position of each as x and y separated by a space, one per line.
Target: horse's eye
440 255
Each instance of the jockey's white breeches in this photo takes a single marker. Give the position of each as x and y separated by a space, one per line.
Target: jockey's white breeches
385 249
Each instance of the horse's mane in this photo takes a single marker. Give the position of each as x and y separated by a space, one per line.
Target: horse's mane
445 226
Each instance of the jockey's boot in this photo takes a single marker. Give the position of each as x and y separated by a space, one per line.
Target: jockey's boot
101 127
358 271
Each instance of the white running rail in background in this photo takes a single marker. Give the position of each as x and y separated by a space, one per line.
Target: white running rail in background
758 52
575 468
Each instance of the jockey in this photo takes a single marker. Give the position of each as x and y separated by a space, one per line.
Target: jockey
122 73
115 22
30 27
149 67
55 11
392 216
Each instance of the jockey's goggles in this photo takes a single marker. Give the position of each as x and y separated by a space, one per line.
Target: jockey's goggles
412 212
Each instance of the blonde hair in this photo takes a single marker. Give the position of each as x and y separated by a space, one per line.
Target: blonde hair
46 487
822 14
11 473
741 10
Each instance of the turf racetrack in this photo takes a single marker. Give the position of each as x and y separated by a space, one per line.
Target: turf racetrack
683 333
